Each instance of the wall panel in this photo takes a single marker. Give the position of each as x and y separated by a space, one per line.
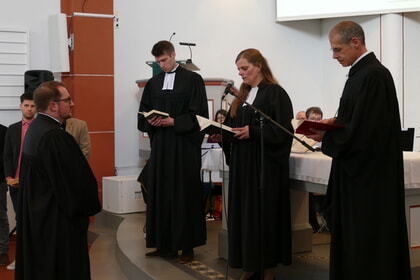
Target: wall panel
91 78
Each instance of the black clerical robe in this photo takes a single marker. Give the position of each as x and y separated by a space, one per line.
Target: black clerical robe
175 217
366 185
259 229
3 131
58 193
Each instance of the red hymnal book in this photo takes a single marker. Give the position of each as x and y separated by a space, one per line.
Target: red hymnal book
303 127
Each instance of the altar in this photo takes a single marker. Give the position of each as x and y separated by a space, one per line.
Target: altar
212 161
214 168
309 172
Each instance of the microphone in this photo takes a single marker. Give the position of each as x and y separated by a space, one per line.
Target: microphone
170 38
186 44
227 89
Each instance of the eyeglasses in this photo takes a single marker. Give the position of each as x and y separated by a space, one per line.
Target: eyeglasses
68 100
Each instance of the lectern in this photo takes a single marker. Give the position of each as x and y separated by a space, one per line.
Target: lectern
187 64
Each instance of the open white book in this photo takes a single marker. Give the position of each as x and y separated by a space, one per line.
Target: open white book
297 147
210 127
153 113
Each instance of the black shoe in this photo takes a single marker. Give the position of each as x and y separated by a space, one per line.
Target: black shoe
187 256
161 253
315 229
251 275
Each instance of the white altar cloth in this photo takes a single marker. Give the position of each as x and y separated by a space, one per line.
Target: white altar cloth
212 160
315 167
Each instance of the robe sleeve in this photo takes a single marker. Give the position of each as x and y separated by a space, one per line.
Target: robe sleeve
278 106
145 106
9 161
367 124
70 175
3 130
187 123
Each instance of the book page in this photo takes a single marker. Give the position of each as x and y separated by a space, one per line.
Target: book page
153 113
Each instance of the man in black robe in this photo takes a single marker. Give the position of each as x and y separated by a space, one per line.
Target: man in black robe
4 220
366 185
175 218
58 193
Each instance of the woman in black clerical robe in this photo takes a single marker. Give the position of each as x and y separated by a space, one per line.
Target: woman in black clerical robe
259 224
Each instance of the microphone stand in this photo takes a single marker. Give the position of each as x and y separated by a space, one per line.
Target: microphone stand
261 192
263 117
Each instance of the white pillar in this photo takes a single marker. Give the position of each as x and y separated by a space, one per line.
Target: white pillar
392 52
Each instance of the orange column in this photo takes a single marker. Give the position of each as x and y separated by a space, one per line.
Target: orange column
91 78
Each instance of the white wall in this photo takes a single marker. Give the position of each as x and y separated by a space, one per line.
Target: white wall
32 16
221 29
411 74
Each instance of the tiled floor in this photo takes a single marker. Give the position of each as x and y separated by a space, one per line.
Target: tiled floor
118 247
103 262
130 249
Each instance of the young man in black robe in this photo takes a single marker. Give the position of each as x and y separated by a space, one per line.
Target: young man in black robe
366 186
58 192
175 218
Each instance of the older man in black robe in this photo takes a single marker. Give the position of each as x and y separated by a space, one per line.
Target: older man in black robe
366 186
175 217
58 193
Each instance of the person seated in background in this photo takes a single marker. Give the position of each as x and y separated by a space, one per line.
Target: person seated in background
315 200
314 114
301 115
210 189
220 118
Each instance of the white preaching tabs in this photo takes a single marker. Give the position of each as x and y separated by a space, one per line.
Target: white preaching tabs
251 96
168 82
